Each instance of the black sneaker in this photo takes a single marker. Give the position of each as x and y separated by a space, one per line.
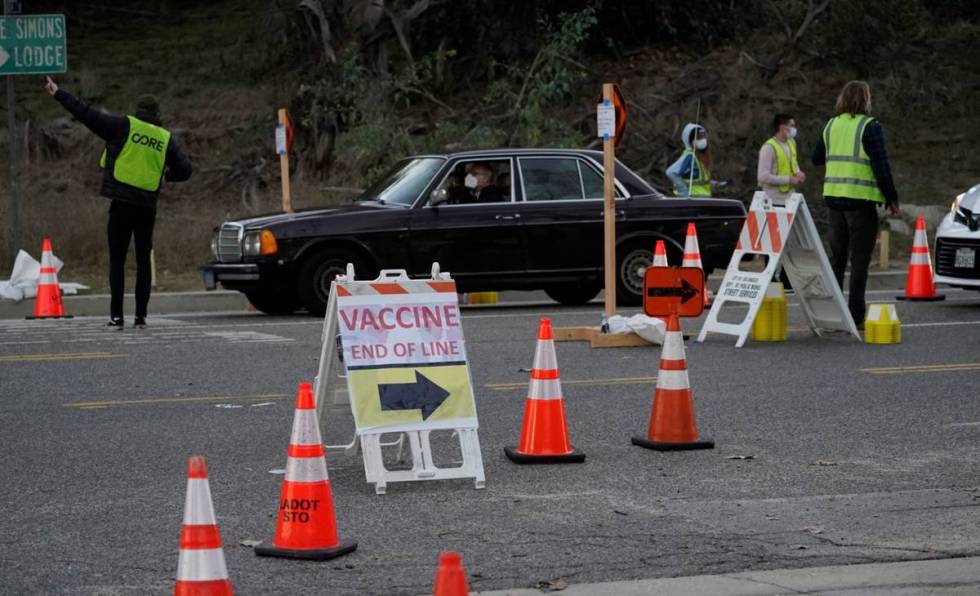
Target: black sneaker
115 324
139 323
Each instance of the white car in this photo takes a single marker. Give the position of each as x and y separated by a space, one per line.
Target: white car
958 243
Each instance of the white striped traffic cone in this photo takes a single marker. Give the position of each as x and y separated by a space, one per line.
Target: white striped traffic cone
544 435
673 426
692 255
48 304
201 569
920 285
306 527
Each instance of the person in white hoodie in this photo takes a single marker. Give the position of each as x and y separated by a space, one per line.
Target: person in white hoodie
690 174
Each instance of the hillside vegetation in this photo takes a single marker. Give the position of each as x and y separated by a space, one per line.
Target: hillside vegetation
369 81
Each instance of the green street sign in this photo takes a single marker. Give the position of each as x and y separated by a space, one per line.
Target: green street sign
33 44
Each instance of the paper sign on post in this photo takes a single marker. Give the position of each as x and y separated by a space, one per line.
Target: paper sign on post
280 140
606 120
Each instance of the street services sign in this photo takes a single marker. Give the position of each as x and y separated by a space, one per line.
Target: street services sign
33 44
405 356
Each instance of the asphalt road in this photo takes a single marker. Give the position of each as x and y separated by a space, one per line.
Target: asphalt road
857 453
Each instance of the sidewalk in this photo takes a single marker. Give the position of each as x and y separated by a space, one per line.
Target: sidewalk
938 576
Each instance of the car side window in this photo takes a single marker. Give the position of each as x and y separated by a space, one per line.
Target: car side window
478 181
551 179
593 182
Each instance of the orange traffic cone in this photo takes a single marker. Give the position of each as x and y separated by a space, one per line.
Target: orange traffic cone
672 423
306 527
692 255
450 577
544 436
48 304
660 255
201 569
920 285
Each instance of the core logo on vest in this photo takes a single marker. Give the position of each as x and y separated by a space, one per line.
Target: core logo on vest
146 140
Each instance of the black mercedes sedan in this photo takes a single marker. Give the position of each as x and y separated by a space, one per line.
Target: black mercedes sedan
502 219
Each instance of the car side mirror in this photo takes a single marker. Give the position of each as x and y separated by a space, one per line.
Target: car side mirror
438 196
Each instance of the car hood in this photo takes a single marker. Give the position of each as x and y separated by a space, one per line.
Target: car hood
971 199
274 220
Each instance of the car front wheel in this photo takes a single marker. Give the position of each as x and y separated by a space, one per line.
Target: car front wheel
274 303
572 294
631 266
318 271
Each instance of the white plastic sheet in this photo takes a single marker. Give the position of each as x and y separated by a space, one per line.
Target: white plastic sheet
23 279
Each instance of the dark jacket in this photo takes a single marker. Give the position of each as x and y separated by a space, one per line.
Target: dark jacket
873 141
114 130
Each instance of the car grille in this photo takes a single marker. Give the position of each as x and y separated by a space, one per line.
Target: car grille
946 257
230 243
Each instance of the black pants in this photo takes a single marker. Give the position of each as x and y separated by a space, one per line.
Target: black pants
852 236
129 221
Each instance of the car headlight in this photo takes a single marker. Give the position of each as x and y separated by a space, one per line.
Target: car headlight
214 246
956 204
258 243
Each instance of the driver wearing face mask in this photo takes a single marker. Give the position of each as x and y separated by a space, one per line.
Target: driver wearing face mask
690 174
779 170
479 184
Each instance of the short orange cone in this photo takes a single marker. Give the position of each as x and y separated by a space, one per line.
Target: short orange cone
201 569
544 435
672 423
660 255
48 304
692 254
450 577
306 527
920 286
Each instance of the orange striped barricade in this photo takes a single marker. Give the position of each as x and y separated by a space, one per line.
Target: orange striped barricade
404 355
785 235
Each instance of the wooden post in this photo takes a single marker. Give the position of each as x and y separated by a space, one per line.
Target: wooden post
287 203
884 241
609 212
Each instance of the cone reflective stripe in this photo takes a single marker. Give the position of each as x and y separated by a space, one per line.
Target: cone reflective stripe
48 303
450 577
544 434
306 526
920 284
672 422
201 568
692 254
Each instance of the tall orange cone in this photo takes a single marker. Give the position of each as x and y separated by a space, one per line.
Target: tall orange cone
544 435
48 304
692 254
920 286
450 577
306 527
672 423
201 569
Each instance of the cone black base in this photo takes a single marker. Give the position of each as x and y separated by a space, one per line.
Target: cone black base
32 317
575 457
666 446
936 298
267 549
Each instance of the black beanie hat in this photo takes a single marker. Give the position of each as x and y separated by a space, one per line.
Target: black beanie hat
148 109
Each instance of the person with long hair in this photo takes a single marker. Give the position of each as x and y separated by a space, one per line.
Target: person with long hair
858 181
691 173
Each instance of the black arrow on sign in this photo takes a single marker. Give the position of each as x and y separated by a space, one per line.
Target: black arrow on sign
685 292
423 395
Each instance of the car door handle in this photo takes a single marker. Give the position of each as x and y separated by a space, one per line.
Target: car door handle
515 216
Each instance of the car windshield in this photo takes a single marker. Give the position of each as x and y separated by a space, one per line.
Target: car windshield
405 182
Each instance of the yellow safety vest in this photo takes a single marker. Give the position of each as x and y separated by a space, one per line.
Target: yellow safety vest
143 156
701 185
849 172
785 166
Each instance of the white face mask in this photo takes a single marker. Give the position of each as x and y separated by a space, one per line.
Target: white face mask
700 144
792 132
469 181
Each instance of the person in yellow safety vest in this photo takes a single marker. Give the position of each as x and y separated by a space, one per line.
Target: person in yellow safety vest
691 173
139 153
858 181
779 169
